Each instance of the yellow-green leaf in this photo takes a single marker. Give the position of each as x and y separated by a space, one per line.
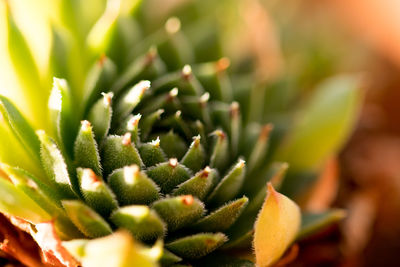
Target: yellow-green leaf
20 127
14 202
276 227
27 71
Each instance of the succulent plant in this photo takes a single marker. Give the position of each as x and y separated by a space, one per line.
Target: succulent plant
176 155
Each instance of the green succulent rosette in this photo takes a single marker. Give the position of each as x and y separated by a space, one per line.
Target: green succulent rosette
149 131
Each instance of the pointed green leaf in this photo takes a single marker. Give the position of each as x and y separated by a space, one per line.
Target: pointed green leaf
19 175
197 107
222 218
63 114
20 127
197 246
147 123
143 223
220 151
100 117
20 156
169 174
55 167
199 128
229 186
144 67
176 122
152 153
214 77
179 211
312 222
195 156
119 151
60 48
14 202
130 99
168 258
131 186
260 149
87 220
235 127
131 125
86 154
173 145
199 185
96 193
239 240
33 190
98 79
184 80
167 101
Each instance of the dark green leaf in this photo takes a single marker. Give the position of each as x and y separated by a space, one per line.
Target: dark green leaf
223 218
98 79
195 156
199 185
119 151
168 258
86 154
179 211
100 117
197 246
312 222
152 153
173 145
220 151
169 174
229 186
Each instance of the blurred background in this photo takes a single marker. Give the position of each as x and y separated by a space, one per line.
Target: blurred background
309 40
355 35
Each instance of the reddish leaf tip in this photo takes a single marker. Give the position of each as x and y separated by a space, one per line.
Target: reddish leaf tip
187 200
173 162
127 139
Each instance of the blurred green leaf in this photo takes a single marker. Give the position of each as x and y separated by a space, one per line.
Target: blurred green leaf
26 70
312 222
323 125
14 202
103 30
20 127
19 156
